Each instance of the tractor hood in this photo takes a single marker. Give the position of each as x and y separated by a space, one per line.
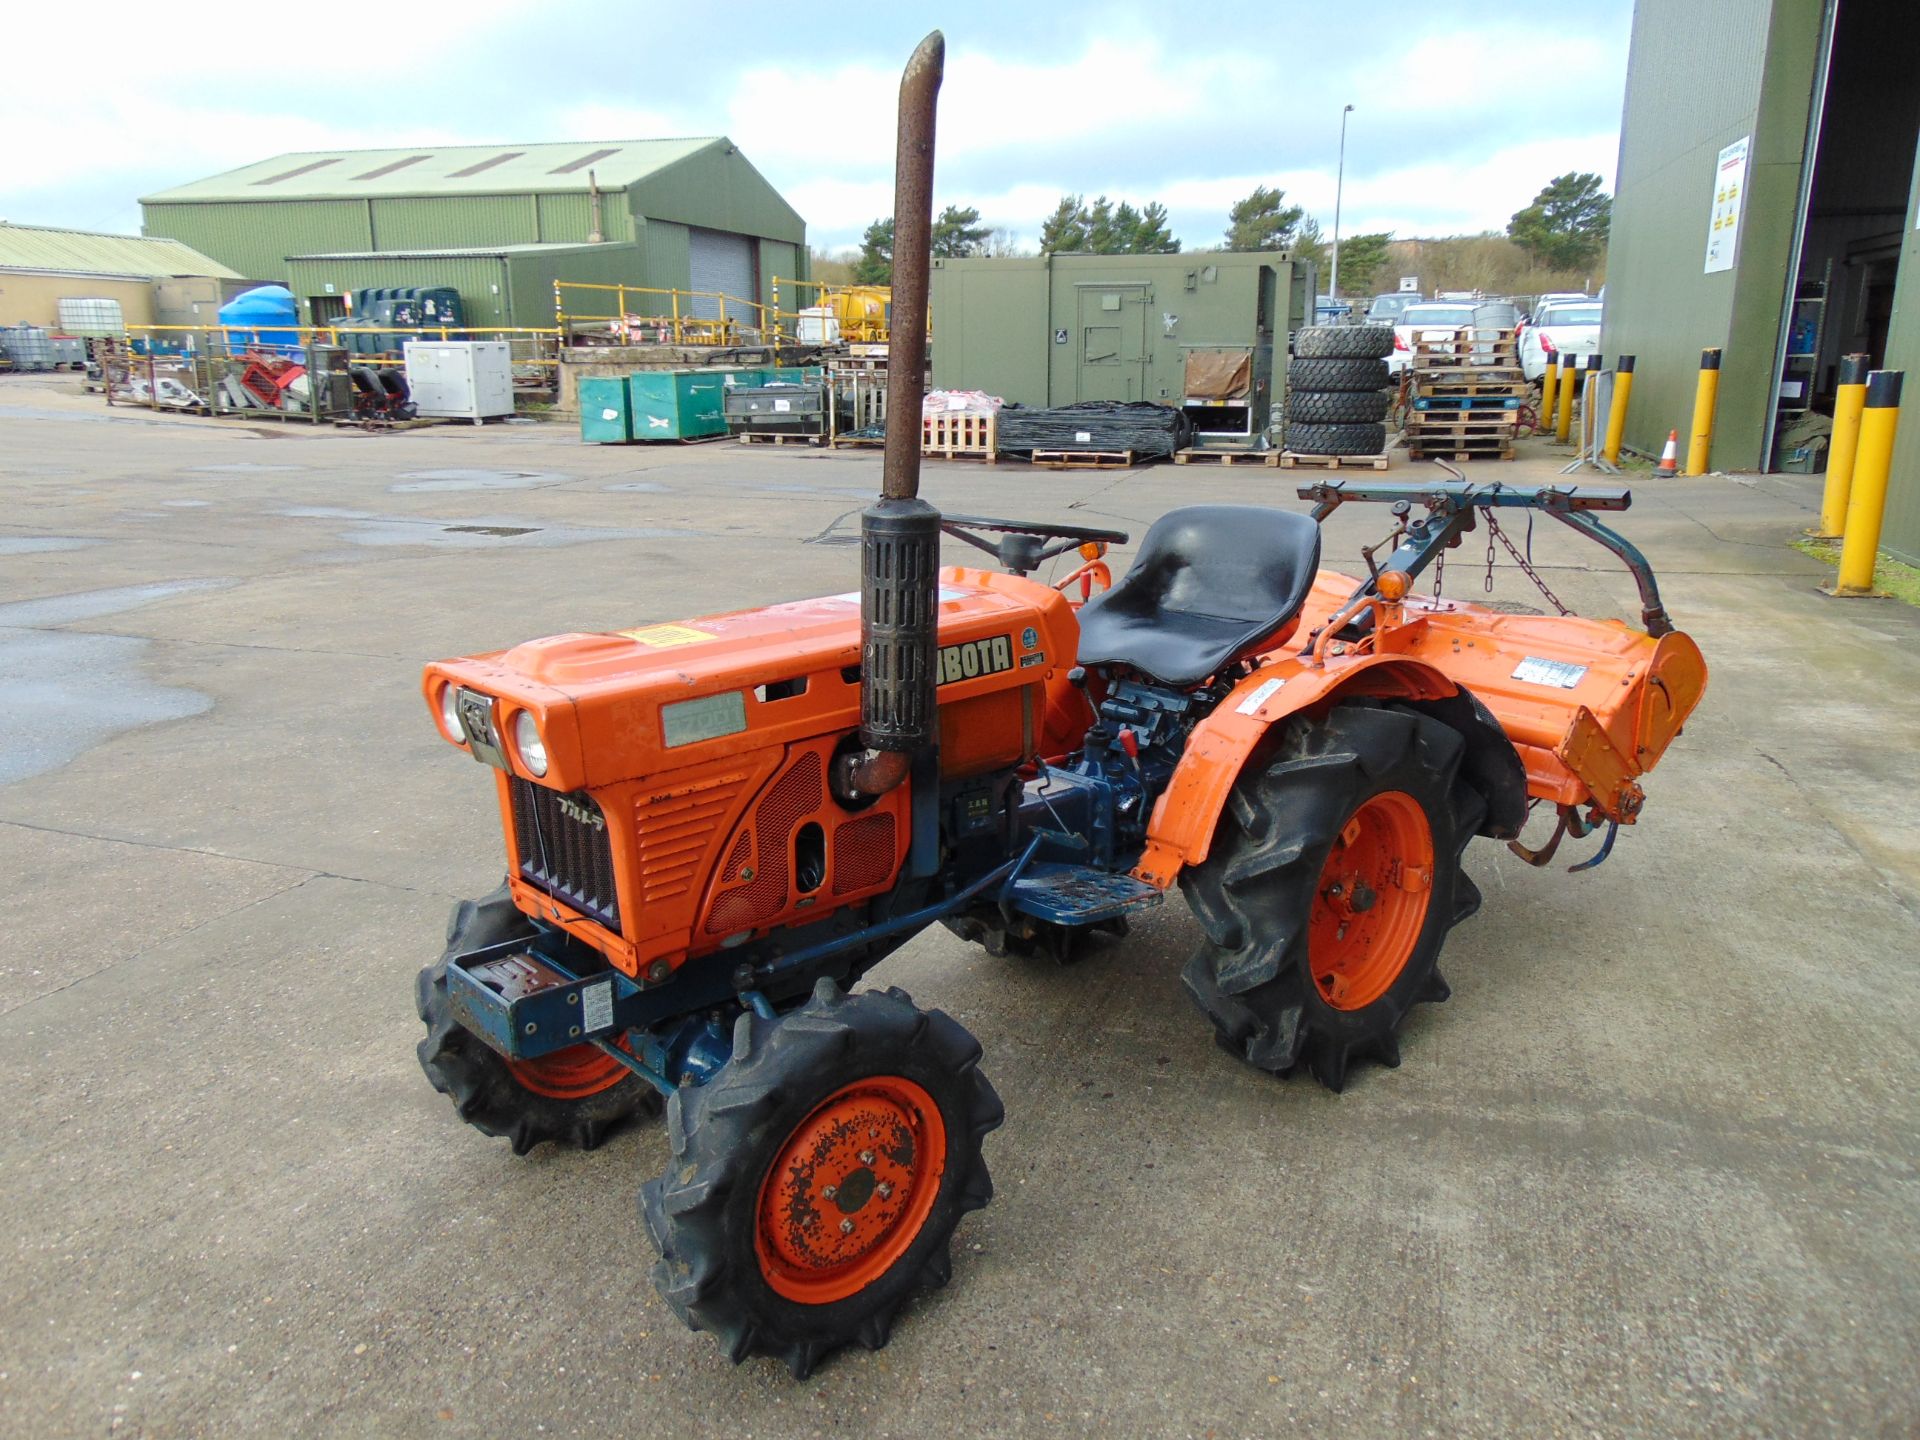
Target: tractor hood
630 703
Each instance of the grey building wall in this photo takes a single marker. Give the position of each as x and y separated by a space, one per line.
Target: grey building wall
1901 534
1701 74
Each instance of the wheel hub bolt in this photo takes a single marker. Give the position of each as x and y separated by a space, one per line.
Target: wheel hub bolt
866 1157
829 1191
883 1190
1364 898
846 1227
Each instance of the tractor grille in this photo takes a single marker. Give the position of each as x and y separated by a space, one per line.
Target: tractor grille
563 848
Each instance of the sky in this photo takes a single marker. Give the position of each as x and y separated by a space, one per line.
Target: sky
1461 112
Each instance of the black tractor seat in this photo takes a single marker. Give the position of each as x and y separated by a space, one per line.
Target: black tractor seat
1211 583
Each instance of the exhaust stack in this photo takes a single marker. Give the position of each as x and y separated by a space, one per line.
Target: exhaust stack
899 532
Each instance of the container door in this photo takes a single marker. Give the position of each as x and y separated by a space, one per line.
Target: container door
1113 342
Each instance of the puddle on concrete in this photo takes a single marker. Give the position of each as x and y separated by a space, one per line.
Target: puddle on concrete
64 692
41 544
366 528
423 481
92 604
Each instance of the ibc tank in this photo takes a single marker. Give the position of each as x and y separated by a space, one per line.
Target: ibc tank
263 315
29 345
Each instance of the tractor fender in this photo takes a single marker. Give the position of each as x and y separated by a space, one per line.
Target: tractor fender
1181 829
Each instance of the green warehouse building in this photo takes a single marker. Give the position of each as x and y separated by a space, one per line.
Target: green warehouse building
499 223
1767 203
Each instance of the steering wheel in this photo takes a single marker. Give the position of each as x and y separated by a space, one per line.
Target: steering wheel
1024 547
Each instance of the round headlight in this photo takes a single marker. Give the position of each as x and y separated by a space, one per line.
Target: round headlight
450 715
526 739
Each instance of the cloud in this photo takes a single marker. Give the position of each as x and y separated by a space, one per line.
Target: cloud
1075 97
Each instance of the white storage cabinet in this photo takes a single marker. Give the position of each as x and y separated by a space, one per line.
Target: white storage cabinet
461 379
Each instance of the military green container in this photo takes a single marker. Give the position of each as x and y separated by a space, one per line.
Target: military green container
606 414
675 404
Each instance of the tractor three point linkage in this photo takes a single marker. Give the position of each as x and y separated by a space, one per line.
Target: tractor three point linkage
715 828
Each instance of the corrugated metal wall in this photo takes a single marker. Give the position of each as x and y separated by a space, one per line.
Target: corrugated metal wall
255 237
1902 532
1701 74
452 221
779 260
667 261
533 274
717 189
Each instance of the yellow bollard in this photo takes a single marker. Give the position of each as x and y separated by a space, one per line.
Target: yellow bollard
1617 413
1850 399
1549 392
1867 499
1569 382
1705 396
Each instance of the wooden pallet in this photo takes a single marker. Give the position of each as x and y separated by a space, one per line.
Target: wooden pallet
761 437
1195 455
1457 424
1289 460
1413 454
1083 459
958 435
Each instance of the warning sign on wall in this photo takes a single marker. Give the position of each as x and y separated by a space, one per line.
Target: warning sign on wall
1729 199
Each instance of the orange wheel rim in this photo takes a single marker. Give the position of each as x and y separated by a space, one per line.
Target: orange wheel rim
850 1190
1371 902
570 1074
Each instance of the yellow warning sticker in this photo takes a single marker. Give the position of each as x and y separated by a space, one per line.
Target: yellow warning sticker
662 637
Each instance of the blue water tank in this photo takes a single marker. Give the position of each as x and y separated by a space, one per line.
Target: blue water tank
263 315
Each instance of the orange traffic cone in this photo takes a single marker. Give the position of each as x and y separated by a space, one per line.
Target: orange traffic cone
1669 465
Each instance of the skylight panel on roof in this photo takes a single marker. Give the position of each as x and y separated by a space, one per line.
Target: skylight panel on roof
476 168
308 168
392 166
590 158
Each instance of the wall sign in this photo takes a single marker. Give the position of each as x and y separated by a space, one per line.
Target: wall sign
1729 199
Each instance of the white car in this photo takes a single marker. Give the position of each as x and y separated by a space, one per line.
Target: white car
1429 321
1567 328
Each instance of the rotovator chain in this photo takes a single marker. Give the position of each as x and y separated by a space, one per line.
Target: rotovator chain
716 827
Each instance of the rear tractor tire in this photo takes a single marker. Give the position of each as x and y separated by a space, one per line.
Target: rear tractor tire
1330 888
578 1096
815 1181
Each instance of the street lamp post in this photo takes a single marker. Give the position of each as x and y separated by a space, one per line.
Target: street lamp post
1339 184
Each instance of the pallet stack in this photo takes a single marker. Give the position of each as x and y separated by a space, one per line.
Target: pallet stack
1468 391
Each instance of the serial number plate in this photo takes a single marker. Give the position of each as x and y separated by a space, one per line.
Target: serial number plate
597 1005
1556 673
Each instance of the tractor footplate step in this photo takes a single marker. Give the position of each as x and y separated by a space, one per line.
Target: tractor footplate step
1079 894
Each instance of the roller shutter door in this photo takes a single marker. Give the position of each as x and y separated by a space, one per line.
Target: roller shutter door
722 264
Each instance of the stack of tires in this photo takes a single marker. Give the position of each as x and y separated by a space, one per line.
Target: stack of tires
1337 390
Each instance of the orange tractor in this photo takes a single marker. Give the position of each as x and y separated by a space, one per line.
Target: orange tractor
716 827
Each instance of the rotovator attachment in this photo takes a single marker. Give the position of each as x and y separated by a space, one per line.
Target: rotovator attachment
716 828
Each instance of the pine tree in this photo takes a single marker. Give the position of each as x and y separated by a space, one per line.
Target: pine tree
1566 225
1065 229
1262 221
875 263
958 232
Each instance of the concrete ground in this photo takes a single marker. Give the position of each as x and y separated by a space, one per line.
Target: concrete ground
1651 1172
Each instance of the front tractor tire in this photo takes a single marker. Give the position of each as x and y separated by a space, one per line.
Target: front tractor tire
815 1181
578 1096
1330 888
